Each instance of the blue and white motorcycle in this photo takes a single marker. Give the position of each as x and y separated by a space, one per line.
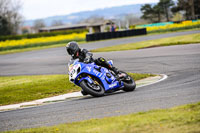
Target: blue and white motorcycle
96 80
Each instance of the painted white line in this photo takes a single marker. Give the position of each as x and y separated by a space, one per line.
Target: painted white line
40 101
163 78
60 97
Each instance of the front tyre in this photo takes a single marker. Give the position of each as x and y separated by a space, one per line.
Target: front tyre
83 93
129 83
95 90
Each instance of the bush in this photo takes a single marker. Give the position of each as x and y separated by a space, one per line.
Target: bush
44 34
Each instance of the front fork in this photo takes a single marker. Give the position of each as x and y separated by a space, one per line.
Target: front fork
88 78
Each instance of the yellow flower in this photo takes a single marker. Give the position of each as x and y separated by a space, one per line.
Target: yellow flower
175 25
58 38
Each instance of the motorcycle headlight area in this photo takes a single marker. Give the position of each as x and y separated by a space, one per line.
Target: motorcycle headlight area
74 70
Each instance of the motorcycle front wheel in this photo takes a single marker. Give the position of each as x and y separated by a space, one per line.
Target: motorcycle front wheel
94 89
129 83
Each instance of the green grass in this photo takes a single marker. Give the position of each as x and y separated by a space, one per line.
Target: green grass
181 119
54 45
16 89
39 47
179 40
31 49
171 31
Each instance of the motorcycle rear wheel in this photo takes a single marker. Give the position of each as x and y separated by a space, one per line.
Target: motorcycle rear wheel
98 91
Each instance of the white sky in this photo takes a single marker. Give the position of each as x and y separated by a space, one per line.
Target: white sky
33 9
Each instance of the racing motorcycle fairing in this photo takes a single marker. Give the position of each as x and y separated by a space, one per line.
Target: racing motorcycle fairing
78 69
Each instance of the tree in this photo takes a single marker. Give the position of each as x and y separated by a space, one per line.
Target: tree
38 24
4 26
165 6
147 11
92 19
153 14
190 7
131 19
10 18
157 12
57 23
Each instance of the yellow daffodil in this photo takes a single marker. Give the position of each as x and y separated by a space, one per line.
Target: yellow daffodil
73 36
175 25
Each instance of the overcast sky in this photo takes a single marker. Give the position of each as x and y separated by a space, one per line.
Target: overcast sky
34 9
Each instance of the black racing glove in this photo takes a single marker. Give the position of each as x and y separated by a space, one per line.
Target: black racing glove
87 59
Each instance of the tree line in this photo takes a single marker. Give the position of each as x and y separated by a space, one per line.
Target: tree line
10 18
164 10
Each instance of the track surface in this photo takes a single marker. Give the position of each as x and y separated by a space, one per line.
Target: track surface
54 60
180 63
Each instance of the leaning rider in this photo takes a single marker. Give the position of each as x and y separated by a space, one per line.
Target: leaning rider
85 56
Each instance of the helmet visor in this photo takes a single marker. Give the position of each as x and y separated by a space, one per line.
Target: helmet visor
70 51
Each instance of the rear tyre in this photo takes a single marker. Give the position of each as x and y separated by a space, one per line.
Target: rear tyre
95 90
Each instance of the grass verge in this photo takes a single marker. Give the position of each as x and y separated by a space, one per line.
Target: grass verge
16 89
181 119
31 49
170 31
179 40
38 47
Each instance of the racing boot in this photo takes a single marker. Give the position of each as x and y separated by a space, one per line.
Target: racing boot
119 75
104 63
115 70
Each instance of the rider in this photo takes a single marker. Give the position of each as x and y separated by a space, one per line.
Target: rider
85 56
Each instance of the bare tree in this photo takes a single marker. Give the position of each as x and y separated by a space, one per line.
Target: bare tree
38 24
10 18
56 23
131 19
92 19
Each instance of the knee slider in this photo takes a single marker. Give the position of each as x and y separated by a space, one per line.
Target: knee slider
101 59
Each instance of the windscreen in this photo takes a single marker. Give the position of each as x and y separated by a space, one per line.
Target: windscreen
72 62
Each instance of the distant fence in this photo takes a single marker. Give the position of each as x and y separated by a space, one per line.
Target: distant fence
116 34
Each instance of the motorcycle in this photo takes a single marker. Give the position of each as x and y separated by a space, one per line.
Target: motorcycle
96 80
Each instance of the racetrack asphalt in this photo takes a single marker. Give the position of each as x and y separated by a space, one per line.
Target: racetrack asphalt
180 63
